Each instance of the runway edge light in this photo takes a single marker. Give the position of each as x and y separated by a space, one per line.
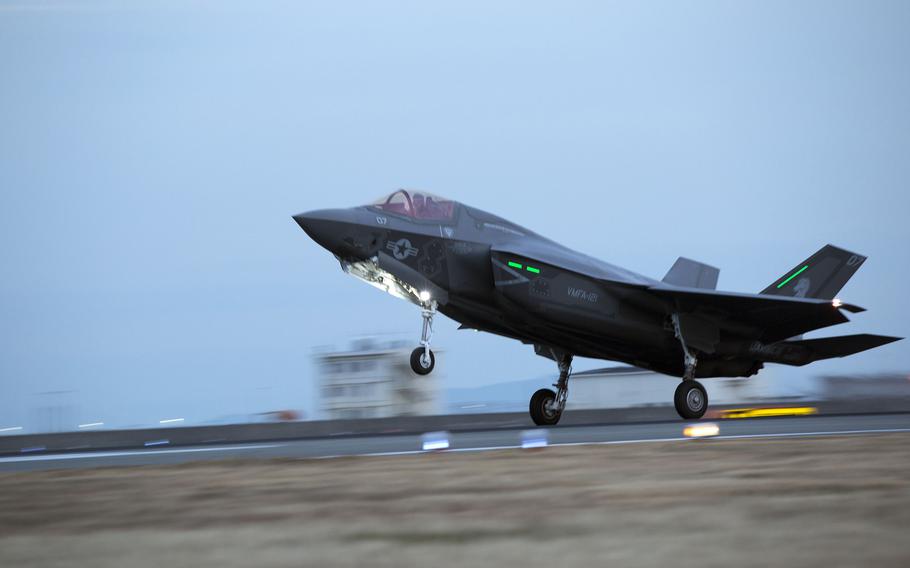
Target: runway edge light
434 441
534 438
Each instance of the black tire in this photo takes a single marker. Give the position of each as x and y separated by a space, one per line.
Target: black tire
540 414
418 364
691 400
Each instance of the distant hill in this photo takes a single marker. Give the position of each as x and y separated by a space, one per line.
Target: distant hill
509 396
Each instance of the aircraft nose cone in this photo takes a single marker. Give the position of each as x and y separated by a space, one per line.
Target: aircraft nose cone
342 232
325 226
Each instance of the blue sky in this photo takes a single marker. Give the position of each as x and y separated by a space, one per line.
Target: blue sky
151 155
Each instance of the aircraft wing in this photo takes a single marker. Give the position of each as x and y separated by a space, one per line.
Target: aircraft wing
775 317
763 317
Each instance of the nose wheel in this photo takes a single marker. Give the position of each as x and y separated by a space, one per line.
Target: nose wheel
423 361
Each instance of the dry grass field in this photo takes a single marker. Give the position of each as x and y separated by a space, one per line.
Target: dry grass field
841 501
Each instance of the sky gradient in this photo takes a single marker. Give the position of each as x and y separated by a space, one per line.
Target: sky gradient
152 154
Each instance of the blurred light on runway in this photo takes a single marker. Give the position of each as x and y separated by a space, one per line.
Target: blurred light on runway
91 425
435 441
767 412
157 443
534 438
170 420
701 430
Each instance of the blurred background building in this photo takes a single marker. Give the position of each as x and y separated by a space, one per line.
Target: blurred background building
624 386
54 411
373 379
611 387
852 387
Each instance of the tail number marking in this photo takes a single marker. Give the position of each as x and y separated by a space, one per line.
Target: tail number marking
580 294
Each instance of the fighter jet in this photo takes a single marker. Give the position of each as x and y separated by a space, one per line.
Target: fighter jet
492 275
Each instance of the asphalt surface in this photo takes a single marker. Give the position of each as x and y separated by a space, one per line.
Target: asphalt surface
462 441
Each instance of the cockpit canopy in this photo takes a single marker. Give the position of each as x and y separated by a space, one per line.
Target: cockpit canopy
417 205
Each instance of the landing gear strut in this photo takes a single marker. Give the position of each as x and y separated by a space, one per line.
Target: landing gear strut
422 358
691 398
546 406
690 360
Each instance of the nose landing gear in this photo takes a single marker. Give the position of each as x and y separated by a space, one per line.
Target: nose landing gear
423 361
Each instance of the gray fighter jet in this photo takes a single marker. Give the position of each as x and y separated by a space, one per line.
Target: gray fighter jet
492 275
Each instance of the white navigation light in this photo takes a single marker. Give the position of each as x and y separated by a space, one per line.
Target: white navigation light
424 296
434 441
91 425
170 421
703 430
836 303
11 429
534 438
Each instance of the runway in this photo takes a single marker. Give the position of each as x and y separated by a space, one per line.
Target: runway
482 440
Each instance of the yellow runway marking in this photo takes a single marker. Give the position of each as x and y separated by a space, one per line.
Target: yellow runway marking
766 412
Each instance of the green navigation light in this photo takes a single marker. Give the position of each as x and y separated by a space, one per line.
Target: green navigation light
792 276
515 265
534 270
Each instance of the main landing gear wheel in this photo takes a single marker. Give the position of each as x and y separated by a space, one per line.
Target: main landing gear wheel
543 408
422 361
691 400
547 406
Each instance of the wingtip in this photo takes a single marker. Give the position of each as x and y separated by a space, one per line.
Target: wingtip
881 340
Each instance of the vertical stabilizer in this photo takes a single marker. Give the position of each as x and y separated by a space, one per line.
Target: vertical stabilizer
822 275
692 274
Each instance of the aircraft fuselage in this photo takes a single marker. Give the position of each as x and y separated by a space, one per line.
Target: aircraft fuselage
509 294
492 275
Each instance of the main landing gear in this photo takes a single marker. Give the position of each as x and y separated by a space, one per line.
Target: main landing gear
547 406
422 359
691 398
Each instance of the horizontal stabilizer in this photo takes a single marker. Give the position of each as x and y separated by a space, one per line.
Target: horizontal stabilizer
692 274
807 351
